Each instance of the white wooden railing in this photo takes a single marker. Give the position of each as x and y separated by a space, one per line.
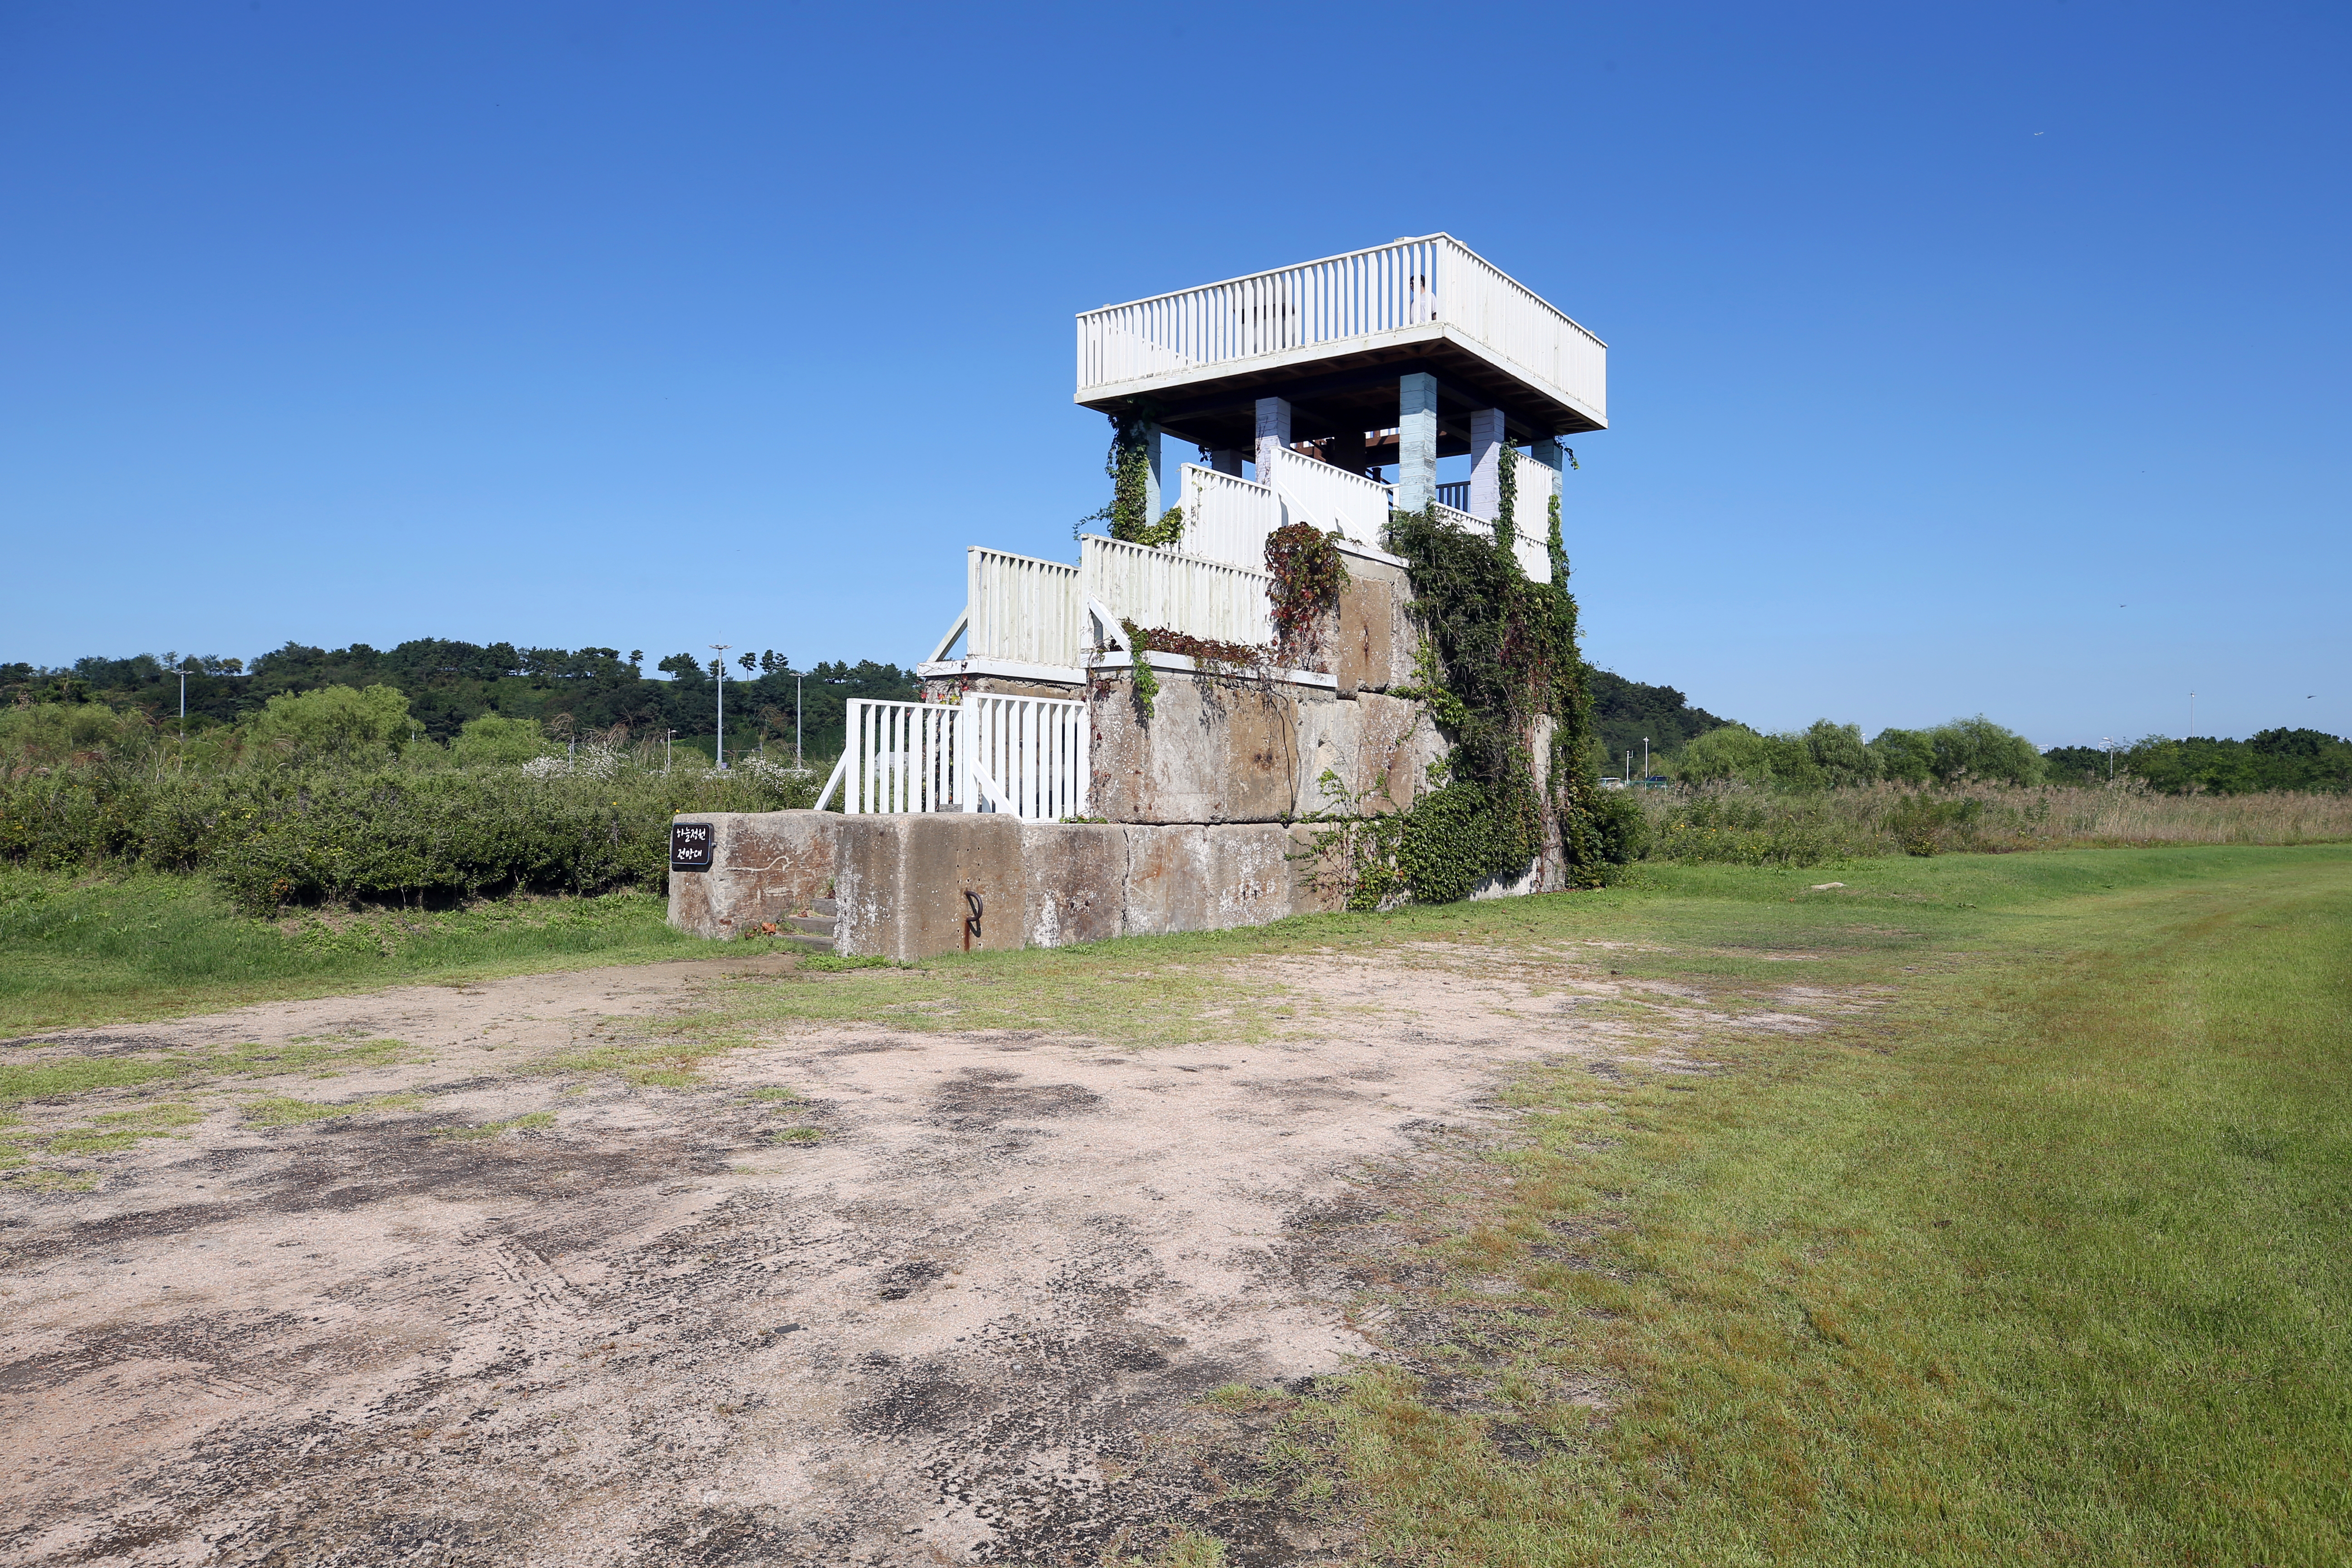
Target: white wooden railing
1401 287
1529 540
1329 497
897 756
1219 600
1022 608
1534 506
1226 518
1026 756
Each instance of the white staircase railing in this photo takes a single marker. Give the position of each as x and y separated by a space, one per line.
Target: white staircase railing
1217 600
1226 517
1529 539
1026 756
1317 492
1022 608
897 756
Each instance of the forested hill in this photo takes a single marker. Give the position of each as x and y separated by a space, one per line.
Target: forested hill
448 682
1625 711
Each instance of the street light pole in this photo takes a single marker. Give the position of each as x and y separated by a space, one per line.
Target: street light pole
1645 762
797 763
721 649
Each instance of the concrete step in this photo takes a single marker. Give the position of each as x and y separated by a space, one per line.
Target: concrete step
815 925
812 944
825 907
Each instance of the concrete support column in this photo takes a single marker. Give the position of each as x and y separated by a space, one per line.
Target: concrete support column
1273 434
1416 442
1487 451
1151 504
1225 460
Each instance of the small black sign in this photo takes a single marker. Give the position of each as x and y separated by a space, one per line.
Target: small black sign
691 846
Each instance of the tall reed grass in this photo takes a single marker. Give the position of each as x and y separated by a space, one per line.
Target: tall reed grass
1742 824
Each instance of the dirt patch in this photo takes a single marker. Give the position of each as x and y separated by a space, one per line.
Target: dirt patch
948 1302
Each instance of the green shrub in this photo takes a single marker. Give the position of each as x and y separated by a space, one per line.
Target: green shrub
1923 824
38 733
334 720
1732 753
493 739
273 834
1620 827
1840 759
1963 749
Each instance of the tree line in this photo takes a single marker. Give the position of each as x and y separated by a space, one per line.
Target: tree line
2278 759
448 684
1829 755
543 697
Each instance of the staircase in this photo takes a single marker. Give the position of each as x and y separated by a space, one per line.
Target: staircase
814 930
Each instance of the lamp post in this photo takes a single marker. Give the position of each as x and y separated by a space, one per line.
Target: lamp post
665 735
797 763
721 649
1645 762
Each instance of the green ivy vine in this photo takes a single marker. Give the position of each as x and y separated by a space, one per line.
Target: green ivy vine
1147 684
1129 467
1507 480
1497 653
1502 648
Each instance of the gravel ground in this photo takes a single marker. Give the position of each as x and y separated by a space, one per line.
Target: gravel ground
958 1299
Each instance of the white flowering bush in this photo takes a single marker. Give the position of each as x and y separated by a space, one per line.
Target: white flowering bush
769 773
589 761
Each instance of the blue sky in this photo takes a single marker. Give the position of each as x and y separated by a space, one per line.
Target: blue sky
1962 358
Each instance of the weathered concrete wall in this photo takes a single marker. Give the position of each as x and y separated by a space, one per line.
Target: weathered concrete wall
1206 878
1073 879
765 865
1374 643
907 885
1228 751
901 882
950 688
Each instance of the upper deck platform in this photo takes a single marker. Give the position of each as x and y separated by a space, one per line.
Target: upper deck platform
1334 335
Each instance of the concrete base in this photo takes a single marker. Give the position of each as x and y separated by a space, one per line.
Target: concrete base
1231 750
765 865
911 886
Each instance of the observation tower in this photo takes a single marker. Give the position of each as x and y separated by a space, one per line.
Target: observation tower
1323 393
1069 776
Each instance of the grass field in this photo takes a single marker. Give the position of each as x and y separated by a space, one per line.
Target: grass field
2044 1262
2034 1252
2037 1253
77 951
